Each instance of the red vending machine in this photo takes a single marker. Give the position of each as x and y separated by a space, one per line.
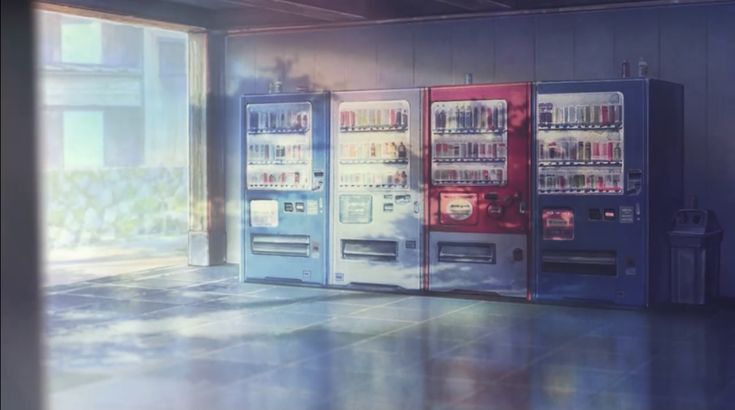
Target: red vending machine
477 170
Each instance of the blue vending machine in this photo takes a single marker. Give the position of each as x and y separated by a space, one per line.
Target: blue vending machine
608 179
285 153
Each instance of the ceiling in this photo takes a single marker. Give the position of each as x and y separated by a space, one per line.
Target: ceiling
234 14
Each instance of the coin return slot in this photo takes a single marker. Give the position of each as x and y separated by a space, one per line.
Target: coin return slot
385 251
281 245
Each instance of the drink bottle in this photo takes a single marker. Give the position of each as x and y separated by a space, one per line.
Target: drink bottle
617 152
402 151
625 69
642 68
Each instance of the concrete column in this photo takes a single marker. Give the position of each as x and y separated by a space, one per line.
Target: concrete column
207 239
22 380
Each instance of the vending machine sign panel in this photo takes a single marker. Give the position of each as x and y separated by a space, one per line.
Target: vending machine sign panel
458 209
580 143
558 224
264 213
355 209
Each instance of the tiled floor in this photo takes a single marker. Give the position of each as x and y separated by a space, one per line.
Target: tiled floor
193 338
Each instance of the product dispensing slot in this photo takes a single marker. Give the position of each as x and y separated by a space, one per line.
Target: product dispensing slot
467 252
602 263
281 245
385 251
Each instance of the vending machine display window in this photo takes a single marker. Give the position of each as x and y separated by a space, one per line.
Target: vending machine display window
469 142
557 224
278 138
580 143
374 145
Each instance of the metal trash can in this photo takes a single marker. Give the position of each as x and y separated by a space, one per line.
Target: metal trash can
695 256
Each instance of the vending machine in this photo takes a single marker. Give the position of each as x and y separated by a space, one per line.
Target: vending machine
478 146
376 193
608 178
285 153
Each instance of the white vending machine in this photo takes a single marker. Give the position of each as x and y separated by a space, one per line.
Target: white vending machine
376 195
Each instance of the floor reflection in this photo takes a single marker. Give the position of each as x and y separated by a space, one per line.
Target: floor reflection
193 338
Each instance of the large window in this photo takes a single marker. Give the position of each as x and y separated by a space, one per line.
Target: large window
114 133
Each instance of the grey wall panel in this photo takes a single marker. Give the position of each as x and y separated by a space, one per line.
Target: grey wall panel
514 49
284 57
432 54
720 160
636 36
594 47
240 80
473 51
394 56
359 59
692 45
554 47
330 49
269 56
684 60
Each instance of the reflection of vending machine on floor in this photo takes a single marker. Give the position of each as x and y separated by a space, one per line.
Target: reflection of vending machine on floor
478 188
608 179
376 188
284 207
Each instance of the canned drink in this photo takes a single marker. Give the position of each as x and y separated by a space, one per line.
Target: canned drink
495 150
616 182
610 150
578 114
572 151
496 117
618 114
587 151
501 116
595 151
605 115
596 115
541 153
558 116
588 114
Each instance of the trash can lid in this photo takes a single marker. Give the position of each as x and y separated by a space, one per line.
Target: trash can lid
695 222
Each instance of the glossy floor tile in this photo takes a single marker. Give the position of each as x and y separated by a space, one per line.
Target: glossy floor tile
196 338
